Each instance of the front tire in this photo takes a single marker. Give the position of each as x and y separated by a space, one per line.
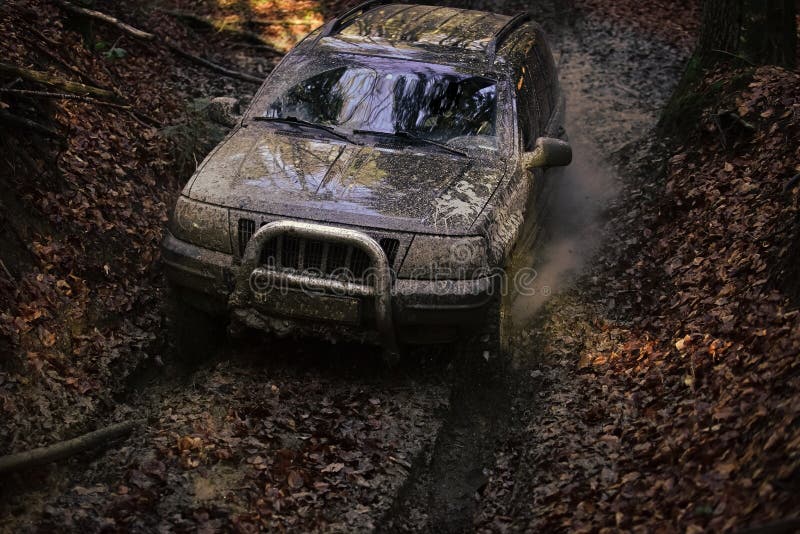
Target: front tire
486 351
194 334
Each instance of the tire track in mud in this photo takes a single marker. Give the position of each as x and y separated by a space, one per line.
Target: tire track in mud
440 494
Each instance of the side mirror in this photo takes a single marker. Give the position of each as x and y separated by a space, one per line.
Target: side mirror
548 152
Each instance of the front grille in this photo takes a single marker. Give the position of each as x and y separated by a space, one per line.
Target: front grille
247 227
326 259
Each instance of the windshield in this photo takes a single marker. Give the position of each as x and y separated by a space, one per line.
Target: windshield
425 103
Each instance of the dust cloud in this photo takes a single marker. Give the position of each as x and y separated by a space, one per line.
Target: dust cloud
572 228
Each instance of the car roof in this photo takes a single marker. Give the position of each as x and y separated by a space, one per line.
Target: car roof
427 25
437 34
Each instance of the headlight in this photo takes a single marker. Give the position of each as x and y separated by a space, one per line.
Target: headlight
445 258
201 224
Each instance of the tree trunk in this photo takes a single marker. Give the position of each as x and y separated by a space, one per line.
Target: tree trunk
760 32
742 32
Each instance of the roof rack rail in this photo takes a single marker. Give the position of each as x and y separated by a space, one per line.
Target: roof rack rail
336 24
503 33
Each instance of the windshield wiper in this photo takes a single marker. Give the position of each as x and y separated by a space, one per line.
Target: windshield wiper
408 135
300 122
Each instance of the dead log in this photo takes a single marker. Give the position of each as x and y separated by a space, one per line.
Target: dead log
55 81
64 449
108 19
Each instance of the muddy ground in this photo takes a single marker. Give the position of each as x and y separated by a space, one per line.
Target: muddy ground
300 435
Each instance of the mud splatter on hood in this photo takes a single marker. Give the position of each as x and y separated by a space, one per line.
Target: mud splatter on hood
393 186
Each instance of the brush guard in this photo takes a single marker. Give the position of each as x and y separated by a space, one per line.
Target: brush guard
380 291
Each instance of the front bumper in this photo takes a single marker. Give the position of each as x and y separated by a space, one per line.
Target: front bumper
391 311
205 277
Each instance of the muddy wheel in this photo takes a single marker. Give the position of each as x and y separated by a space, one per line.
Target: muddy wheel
487 348
194 334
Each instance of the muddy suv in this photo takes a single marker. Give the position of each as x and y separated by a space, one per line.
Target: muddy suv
381 181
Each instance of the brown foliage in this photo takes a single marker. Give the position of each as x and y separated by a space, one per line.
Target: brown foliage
83 215
678 402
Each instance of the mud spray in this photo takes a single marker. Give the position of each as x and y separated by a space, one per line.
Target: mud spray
573 227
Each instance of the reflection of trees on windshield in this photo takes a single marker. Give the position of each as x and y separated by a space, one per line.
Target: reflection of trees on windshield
429 104
315 98
444 106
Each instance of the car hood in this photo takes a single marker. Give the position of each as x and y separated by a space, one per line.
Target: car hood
408 188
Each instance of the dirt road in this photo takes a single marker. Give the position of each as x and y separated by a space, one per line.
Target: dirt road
307 436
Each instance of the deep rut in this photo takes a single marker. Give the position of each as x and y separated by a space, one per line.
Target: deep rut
440 493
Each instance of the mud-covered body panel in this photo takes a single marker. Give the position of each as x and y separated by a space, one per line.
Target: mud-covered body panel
261 169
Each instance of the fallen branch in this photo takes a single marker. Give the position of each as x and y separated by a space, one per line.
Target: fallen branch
22 122
213 66
12 83
62 96
792 183
268 22
142 118
65 449
46 45
108 19
8 273
55 81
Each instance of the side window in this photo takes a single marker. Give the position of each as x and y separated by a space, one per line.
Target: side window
527 110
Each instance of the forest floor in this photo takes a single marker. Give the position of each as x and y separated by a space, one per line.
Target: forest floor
657 388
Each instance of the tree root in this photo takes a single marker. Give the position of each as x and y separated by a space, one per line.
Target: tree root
64 449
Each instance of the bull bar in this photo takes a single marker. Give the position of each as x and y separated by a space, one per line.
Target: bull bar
380 291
